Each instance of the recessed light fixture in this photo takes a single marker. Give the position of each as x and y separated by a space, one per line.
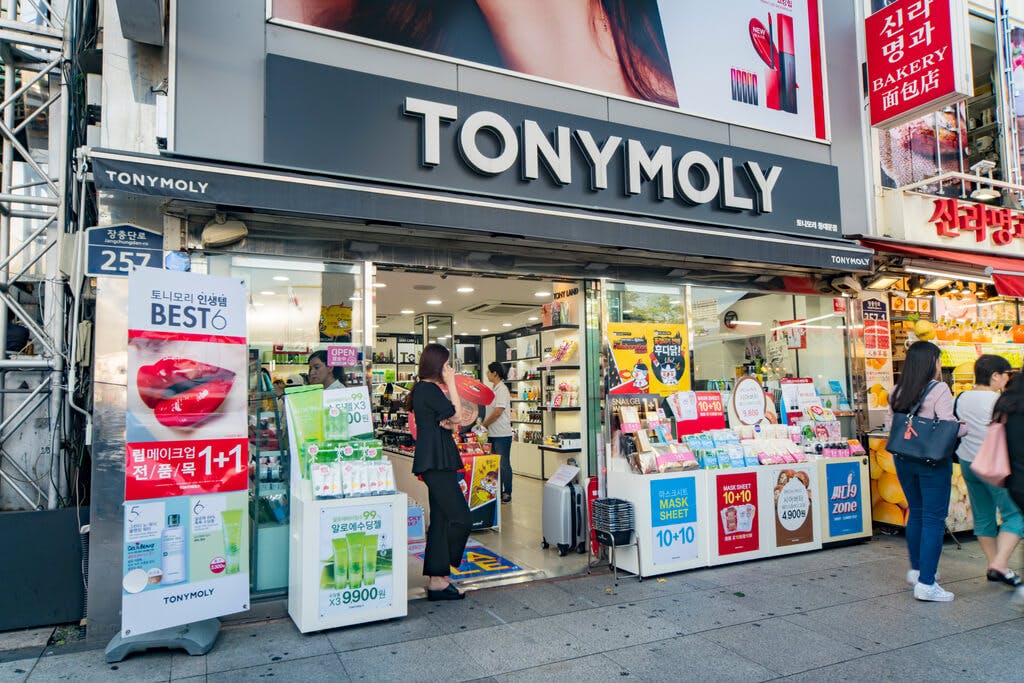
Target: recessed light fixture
506 324
533 318
407 311
431 327
281 278
434 302
267 292
542 293
378 285
465 290
628 311
484 329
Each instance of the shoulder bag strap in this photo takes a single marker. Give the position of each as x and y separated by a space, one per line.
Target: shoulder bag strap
955 404
917 406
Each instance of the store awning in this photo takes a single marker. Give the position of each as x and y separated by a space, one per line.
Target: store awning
1007 273
257 188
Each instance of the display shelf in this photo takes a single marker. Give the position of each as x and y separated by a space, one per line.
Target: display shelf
516 360
523 422
556 449
391 430
559 327
524 379
550 368
552 409
524 400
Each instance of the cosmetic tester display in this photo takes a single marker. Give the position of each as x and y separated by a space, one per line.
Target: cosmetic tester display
347 557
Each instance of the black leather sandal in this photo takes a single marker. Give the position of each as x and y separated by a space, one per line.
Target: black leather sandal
1010 578
448 593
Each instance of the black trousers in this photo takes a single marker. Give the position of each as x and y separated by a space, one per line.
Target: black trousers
450 522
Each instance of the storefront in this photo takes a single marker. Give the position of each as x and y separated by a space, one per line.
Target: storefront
604 262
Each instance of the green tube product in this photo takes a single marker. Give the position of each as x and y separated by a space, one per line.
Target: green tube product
340 562
335 422
355 559
232 529
305 411
369 559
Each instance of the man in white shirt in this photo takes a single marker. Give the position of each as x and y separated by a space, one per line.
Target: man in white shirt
499 427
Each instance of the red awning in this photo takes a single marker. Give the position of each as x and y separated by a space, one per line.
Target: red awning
1007 273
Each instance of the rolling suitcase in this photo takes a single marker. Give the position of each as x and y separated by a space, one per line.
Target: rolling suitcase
562 518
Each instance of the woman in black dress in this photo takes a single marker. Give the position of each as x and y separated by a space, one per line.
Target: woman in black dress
437 462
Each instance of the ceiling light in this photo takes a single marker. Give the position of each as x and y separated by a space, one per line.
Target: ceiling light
281 278
914 283
267 292
882 281
985 194
628 311
542 293
465 290
936 283
533 318
407 311
434 302
506 324
431 327
950 276
484 329
754 324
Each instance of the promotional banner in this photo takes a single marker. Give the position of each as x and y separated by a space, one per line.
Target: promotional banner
793 494
673 520
649 358
736 505
479 483
356 551
697 411
751 62
918 55
186 532
877 355
845 499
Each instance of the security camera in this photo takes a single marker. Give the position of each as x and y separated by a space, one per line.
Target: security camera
846 283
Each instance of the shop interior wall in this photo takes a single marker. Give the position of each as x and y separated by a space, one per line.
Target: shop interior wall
228 121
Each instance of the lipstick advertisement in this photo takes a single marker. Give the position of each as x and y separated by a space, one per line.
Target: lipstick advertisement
649 358
186 536
750 62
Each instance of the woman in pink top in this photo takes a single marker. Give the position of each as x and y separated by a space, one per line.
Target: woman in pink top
925 486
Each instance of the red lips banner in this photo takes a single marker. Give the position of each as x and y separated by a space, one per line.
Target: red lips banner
186 422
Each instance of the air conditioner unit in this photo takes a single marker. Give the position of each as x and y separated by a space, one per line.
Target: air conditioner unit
497 309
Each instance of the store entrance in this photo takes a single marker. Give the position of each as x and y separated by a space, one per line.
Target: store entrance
532 329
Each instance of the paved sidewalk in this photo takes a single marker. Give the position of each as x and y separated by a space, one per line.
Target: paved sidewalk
841 614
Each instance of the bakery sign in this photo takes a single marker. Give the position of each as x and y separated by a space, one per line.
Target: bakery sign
953 223
919 60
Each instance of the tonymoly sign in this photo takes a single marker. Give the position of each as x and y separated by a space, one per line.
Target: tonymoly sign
359 125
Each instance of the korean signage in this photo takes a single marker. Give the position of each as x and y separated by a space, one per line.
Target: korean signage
736 507
114 250
793 493
186 458
918 57
342 356
649 357
673 520
356 552
845 499
697 411
751 62
953 223
878 371
748 404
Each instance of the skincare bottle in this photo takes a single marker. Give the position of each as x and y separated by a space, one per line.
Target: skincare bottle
172 542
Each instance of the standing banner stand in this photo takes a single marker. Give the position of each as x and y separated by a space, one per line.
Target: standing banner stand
186 522
349 525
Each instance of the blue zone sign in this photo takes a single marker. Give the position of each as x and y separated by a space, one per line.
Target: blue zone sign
113 250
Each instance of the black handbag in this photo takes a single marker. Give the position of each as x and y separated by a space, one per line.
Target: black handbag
925 440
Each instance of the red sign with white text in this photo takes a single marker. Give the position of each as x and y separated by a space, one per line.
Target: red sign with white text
953 218
162 469
916 59
710 414
736 503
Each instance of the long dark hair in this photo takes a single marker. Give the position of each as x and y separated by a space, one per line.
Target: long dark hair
1011 400
457 28
498 369
918 372
432 361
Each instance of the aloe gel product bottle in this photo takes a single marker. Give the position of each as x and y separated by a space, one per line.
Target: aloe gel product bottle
369 559
340 562
355 559
232 529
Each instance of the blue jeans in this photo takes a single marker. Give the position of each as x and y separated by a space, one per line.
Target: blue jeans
927 491
502 445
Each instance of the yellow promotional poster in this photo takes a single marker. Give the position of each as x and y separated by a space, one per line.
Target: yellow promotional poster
336 321
650 358
484 488
889 504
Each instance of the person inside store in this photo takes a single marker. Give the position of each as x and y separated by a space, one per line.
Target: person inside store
1009 409
322 373
437 462
498 425
974 408
616 46
925 486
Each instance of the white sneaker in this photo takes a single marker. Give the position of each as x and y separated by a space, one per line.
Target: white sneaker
932 593
913 575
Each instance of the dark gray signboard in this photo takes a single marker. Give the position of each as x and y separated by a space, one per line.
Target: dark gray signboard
364 126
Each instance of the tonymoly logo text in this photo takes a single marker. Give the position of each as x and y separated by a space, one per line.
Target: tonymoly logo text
157 182
192 595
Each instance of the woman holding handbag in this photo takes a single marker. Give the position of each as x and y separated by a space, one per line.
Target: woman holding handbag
926 485
1010 409
974 407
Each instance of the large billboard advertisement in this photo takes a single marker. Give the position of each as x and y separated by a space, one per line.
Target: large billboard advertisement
755 63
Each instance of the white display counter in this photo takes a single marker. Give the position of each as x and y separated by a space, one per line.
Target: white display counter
347 561
671 516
